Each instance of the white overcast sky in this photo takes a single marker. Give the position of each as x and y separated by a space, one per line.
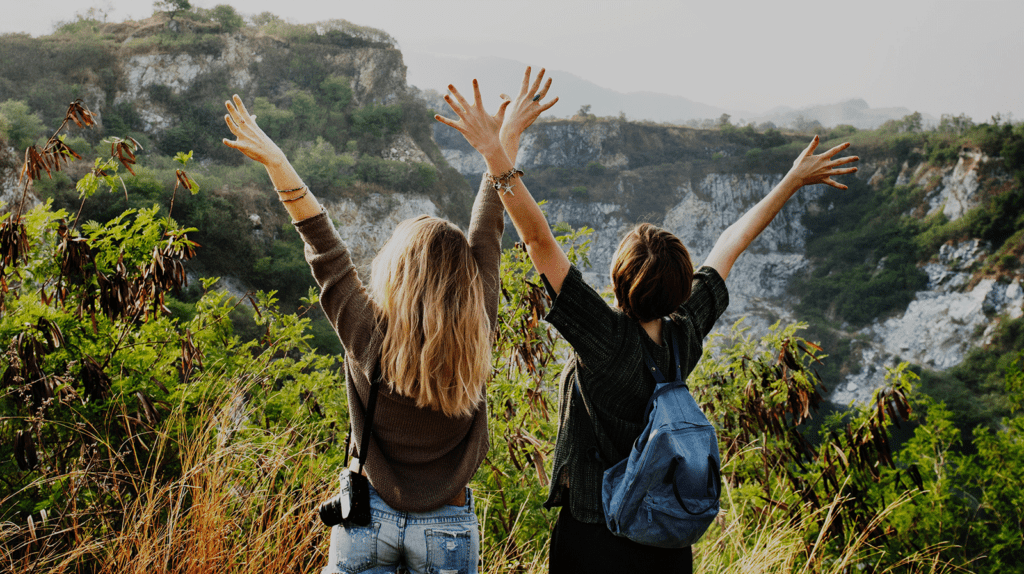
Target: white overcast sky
935 57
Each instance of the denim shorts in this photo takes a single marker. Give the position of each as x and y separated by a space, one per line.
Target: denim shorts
442 541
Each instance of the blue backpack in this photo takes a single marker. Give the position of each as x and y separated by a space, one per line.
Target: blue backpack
666 492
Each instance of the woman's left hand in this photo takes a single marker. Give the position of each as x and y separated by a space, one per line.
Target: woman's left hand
478 127
251 140
809 168
527 106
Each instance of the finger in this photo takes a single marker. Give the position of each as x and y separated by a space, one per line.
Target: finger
536 83
544 90
526 81
811 146
446 121
499 116
232 110
842 171
548 105
241 106
842 160
834 183
232 125
836 149
458 97
477 100
232 144
504 96
454 105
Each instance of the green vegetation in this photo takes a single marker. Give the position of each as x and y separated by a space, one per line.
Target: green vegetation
308 105
133 402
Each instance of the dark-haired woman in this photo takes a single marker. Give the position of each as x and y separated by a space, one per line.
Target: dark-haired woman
652 277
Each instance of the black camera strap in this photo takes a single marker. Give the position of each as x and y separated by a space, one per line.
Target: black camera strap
371 406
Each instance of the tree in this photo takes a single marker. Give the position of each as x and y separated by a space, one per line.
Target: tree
723 120
584 110
19 124
172 7
955 124
911 123
227 17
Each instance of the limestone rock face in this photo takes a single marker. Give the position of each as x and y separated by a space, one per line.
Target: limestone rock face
700 214
177 71
940 325
954 190
366 226
373 63
954 313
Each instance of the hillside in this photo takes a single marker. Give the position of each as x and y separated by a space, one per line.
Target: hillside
152 419
919 261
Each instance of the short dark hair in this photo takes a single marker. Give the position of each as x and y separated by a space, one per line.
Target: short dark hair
652 273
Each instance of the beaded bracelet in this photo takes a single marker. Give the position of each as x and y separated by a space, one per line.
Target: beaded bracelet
290 190
291 199
503 182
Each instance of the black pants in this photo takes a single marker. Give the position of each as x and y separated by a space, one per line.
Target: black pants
580 547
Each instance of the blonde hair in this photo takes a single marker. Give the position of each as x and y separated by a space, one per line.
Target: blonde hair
430 300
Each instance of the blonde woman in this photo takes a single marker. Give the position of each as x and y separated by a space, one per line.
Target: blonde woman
425 323
652 277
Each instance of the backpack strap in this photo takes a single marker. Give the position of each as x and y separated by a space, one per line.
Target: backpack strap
604 444
674 359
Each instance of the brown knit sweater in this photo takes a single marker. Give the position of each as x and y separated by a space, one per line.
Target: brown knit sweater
419 459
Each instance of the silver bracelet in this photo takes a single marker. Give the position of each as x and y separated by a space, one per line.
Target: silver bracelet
503 182
291 199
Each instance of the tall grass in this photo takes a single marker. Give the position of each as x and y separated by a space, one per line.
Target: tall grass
746 539
243 502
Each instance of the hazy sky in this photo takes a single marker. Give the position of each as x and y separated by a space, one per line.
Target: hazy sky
930 56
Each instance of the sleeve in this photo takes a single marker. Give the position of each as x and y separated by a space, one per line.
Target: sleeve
707 301
486 224
344 299
586 321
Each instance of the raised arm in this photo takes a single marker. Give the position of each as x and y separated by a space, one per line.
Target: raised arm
807 169
296 197
485 133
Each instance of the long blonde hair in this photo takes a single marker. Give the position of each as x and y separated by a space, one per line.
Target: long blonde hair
430 297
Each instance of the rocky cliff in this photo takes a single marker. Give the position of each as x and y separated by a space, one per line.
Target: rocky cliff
957 311
605 174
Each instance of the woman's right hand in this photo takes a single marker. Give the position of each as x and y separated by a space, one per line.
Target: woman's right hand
479 128
252 141
527 106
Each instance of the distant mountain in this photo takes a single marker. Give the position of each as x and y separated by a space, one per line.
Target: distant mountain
855 112
497 75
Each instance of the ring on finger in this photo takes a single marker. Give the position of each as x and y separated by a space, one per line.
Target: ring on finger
537 97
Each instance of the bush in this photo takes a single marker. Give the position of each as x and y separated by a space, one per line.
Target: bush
227 17
377 120
21 127
323 169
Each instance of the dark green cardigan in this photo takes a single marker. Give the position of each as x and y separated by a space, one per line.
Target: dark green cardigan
607 360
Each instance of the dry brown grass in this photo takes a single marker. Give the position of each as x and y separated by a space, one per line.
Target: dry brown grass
244 502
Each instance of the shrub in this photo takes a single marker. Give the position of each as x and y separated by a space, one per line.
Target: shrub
377 120
21 127
227 17
323 169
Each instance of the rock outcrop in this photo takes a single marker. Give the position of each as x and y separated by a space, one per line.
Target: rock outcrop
956 312
939 326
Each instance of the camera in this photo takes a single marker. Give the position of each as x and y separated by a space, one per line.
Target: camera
351 506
